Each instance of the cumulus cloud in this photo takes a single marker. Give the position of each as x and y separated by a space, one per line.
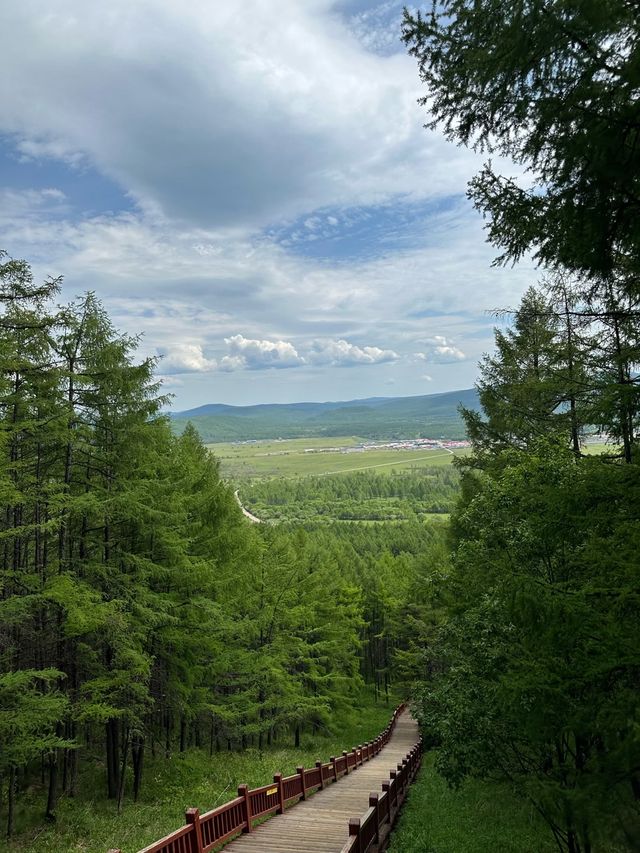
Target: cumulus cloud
343 354
249 354
185 358
440 350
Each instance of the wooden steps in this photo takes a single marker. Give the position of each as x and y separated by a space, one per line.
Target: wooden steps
320 824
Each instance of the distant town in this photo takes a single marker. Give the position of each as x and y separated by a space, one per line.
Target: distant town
403 444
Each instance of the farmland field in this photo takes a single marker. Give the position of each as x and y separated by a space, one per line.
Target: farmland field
320 457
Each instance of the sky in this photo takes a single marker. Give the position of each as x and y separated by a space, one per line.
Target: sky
250 187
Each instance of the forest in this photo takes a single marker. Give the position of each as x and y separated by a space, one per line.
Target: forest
359 496
142 618
141 615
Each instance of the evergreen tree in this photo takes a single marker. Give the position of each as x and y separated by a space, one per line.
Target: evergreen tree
551 85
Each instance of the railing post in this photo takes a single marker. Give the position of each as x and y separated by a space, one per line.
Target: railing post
400 780
373 804
300 772
192 817
354 831
335 768
387 787
354 751
346 761
277 778
243 791
394 785
319 767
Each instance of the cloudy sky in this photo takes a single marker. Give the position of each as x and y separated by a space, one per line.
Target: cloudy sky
250 186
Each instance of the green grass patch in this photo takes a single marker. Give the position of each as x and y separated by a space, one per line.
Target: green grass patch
476 818
598 448
89 823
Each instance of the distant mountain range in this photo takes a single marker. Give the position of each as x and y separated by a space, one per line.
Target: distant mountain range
429 416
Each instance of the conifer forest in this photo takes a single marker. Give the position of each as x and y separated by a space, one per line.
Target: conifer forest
144 620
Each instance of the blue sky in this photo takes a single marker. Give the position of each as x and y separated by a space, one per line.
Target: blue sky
250 186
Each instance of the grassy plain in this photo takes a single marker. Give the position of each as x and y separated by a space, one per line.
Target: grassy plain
90 824
477 817
314 456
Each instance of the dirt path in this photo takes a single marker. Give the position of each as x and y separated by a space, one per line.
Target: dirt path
253 518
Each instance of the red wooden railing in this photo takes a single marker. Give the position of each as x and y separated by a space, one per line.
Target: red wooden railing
203 833
369 833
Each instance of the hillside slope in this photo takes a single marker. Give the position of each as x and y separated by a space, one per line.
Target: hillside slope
432 416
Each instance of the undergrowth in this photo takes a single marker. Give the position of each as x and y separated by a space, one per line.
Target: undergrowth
89 823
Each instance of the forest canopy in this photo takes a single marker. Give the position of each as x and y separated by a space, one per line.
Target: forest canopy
532 673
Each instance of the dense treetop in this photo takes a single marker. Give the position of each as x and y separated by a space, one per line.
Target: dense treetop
554 85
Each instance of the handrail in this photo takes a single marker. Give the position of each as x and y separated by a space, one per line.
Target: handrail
203 833
368 834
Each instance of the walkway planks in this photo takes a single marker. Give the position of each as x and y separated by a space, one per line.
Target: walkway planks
323 820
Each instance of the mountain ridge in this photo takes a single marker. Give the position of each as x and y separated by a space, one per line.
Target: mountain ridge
425 415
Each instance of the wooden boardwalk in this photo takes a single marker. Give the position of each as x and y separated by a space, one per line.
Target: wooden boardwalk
323 819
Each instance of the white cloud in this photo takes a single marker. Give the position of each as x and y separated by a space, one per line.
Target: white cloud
201 286
31 203
54 149
185 358
343 354
214 124
229 363
249 354
440 351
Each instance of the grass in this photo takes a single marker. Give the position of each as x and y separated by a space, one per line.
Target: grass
476 818
600 447
89 823
300 458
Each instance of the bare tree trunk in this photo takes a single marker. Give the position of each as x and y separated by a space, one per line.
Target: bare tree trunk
53 785
137 757
113 761
123 769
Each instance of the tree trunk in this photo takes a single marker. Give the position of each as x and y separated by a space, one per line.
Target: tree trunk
52 794
123 769
11 797
183 733
113 761
137 757
167 738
